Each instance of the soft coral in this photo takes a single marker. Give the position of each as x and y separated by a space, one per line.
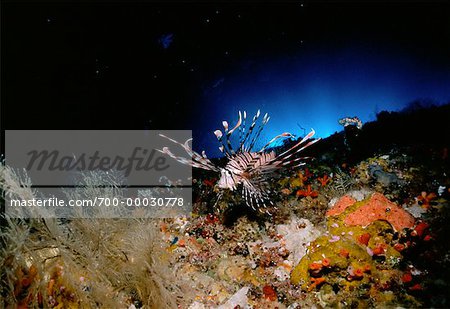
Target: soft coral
307 192
425 199
324 180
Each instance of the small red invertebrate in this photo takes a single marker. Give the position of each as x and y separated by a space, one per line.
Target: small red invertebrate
420 229
307 192
326 262
315 266
380 249
364 239
427 238
307 173
344 253
407 277
182 243
211 219
358 273
416 287
315 282
269 293
355 274
399 247
301 176
425 199
210 182
324 180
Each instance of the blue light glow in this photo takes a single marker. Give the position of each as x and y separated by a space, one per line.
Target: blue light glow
316 89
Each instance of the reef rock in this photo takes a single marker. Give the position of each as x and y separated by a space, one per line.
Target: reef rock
296 235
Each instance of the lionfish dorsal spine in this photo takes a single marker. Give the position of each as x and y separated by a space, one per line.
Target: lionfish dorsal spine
242 129
227 146
242 147
258 132
223 148
225 126
229 132
238 124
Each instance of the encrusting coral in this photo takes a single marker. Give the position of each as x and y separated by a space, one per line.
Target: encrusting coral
377 207
358 250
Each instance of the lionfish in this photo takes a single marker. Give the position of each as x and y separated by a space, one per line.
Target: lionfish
246 168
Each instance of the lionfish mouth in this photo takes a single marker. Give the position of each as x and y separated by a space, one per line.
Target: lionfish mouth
246 168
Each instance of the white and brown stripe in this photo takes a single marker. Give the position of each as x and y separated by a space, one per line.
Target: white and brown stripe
247 168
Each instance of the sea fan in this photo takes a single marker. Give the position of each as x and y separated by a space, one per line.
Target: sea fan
246 168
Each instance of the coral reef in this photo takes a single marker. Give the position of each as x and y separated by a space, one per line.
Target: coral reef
357 261
357 228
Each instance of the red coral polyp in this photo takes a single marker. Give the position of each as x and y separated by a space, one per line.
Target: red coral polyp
307 192
364 239
380 249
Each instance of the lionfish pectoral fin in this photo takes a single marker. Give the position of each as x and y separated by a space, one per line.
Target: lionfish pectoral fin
256 195
197 160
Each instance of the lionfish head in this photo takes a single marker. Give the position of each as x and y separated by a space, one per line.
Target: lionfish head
226 180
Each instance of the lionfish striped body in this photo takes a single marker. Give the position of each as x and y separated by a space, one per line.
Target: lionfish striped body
246 168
